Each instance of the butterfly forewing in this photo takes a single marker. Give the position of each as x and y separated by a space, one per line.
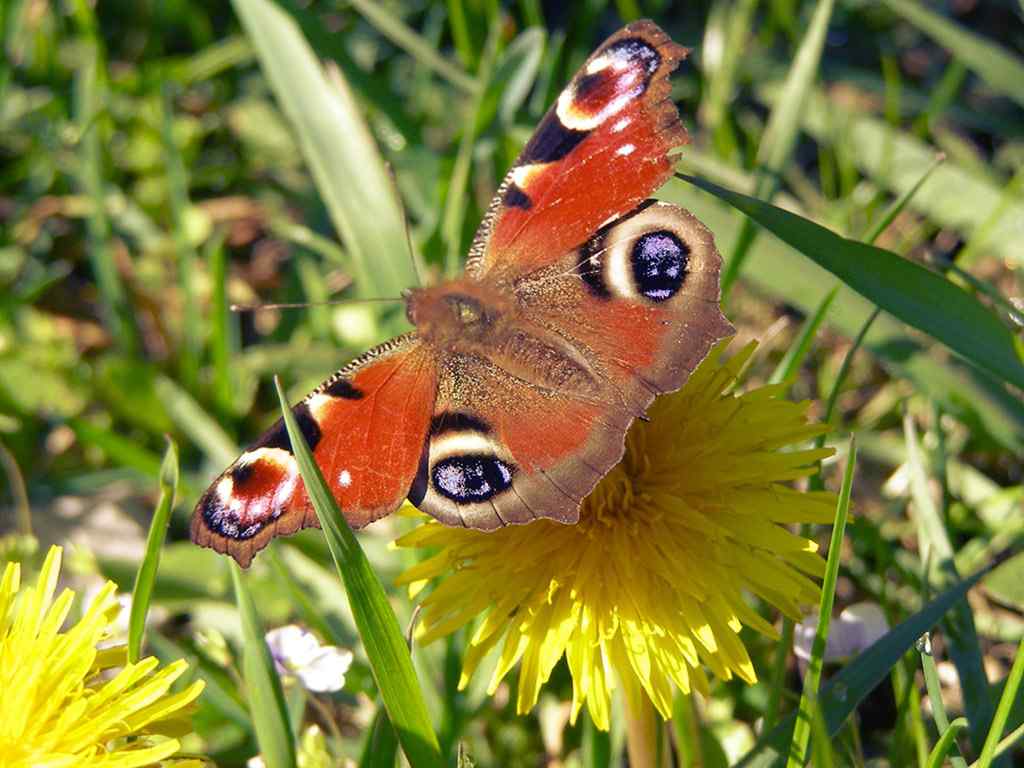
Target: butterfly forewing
599 151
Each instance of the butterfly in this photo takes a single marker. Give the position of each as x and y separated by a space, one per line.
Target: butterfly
581 301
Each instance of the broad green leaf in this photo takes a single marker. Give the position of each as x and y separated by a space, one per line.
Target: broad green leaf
339 149
974 397
378 628
262 685
956 198
848 688
908 291
994 64
143 589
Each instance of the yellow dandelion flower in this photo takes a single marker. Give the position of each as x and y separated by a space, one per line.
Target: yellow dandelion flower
647 590
63 701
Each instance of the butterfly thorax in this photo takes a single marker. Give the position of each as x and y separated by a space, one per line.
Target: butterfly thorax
460 312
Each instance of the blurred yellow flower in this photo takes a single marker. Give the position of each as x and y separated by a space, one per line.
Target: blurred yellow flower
63 702
648 588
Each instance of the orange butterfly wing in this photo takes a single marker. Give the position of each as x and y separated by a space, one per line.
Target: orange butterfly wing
599 151
366 426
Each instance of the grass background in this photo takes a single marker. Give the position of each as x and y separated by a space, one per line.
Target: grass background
159 161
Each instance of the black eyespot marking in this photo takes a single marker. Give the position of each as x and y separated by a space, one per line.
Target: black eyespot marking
659 262
516 198
277 435
344 388
239 473
591 267
634 49
473 478
551 142
451 421
220 520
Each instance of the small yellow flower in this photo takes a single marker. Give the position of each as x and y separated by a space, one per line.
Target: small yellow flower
63 702
647 590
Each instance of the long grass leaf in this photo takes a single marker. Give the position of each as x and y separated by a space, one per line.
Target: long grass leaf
812 679
790 363
779 138
908 291
262 685
381 746
142 592
454 214
378 628
847 689
934 688
203 429
985 210
90 95
406 38
962 641
937 757
1013 681
190 347
338 147
994 64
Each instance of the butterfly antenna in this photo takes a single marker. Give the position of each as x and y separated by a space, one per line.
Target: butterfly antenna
305 304
405 223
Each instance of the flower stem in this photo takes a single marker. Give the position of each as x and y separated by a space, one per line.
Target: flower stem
643 733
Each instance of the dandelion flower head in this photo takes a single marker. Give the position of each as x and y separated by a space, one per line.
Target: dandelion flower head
648 590
68 702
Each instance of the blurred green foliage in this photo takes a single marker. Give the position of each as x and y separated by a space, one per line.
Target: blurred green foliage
158 162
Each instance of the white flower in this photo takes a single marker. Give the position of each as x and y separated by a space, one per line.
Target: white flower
296 652
856 629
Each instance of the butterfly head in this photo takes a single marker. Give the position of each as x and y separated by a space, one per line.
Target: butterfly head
459 309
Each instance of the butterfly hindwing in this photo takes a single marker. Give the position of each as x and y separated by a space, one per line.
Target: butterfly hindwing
528 430
600 150
366 427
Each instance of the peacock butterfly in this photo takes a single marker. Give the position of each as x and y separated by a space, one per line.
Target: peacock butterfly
581 301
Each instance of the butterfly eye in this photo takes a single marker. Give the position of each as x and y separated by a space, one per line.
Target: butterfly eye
659 261
466 479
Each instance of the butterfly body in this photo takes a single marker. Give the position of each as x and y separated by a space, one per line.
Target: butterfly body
582 300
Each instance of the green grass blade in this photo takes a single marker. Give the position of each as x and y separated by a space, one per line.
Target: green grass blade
908 291
454 215
841 695
381 747
934 688
338 147
262 685
1013 681
190 347
90 95
203 429
790 363
779 138
392 27
812 679
378 628
900 203
119 450
993 64
222 342
937 550
142 592
937 757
